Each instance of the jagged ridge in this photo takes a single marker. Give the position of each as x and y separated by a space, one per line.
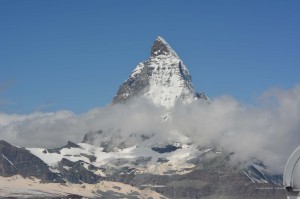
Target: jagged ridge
163 79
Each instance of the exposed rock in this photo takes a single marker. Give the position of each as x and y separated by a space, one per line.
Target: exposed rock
57 150
211 179
166 149
162 160
14 160
163 79
75 172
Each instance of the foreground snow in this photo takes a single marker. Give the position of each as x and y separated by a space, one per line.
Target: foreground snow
17 186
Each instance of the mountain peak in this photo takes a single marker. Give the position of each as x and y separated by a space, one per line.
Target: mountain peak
161 47
163 79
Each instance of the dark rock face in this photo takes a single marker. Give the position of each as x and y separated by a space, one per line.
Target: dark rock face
263 176
159 47
134 86
71 145
75 172
57 150
162 160
14 160
201 96
166 149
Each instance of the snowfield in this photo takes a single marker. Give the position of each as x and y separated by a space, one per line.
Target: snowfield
177 160
17 186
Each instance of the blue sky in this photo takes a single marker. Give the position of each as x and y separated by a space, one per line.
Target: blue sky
74 54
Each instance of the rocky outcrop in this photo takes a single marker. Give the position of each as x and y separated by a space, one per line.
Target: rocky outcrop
166 149
14 160
57 150
75 172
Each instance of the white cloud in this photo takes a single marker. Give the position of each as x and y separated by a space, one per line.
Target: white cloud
268 131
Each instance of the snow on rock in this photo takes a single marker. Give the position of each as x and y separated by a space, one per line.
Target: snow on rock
142 157
163 79
7 159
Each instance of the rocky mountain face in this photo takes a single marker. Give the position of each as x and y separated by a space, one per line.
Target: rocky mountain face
163 79
14 160
147 168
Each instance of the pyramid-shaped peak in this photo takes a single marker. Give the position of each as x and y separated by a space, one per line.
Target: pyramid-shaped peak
161 47
163 78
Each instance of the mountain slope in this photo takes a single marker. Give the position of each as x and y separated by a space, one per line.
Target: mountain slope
15 160
176 171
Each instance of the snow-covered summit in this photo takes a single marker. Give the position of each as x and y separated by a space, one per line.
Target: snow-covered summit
163 78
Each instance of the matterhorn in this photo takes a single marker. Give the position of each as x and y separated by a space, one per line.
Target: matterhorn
163 79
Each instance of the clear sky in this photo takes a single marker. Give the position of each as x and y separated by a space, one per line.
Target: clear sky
74 54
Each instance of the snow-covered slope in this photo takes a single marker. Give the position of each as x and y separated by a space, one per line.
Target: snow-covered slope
145 158
19 187
163 79
142 158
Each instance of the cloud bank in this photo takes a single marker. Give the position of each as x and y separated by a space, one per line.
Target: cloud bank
269 131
